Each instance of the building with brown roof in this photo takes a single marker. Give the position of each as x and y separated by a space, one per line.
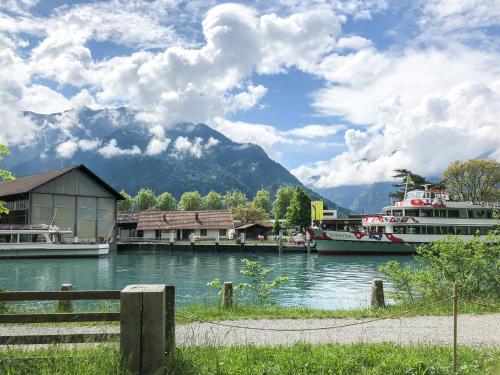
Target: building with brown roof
73 198
203 224
254 230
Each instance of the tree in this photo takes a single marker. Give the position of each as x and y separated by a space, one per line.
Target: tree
276 226
263 200
249 213
415 181
145 199
126 204
166 202
190 201
474 180
235 198
212 201
299 210
282 201
4 176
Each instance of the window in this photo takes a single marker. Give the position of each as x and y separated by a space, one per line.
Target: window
400 230
203 232
397 213
453 213
411 212
6 238
222 232
426 213
31 238
430 230
440 213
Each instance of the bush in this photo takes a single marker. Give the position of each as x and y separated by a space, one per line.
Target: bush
473 264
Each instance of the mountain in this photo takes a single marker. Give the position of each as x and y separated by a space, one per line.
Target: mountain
130 155
360 198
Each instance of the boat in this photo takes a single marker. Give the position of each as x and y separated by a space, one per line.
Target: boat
421 217
44 241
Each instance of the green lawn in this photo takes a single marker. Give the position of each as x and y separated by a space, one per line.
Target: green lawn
304 359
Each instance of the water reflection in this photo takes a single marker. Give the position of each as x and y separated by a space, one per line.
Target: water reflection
315 281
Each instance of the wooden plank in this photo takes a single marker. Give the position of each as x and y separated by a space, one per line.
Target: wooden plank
169 319
153 329
58 338
67 295
60 317
131 328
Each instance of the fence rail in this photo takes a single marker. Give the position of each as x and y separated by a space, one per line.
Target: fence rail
60 295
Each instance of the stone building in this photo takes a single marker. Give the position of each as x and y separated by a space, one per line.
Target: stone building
72 198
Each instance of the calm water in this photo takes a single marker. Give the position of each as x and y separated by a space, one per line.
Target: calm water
315 281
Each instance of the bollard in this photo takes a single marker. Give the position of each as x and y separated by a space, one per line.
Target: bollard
65 305
308 245
217 240
242 242
378 293
143 329
170 319
455 312
280 241
227 299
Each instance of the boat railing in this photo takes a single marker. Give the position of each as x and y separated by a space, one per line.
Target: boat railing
44 227
493 204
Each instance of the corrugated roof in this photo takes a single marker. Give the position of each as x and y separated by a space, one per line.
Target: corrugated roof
127 217
166 220
26 184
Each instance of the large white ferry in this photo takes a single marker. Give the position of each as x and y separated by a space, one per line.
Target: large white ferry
424 216
44 241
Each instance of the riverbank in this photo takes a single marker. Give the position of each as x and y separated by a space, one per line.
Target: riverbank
387 359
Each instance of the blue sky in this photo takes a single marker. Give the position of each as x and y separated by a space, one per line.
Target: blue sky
338 91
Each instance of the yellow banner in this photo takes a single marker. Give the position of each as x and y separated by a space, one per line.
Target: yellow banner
317 210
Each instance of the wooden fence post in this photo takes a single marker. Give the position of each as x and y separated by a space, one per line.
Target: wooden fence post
455 312
170 319
142 329
65 306
227 299
378 293
280 241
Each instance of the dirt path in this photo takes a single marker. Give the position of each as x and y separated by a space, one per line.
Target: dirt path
473 330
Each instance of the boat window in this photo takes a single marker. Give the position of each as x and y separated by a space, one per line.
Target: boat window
430 230
475 231
440 213
400 230
489 214
485 230
31 238
426 213
411 212
419 194
8 238
451 230
55 238
410 195
397 213
453 213
470 214
459 231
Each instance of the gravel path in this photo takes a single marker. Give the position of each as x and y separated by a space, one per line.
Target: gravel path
473 330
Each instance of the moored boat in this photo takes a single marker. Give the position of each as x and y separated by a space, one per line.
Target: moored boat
423 216
44 241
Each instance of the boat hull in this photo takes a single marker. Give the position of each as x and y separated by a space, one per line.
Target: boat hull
331 247
53 251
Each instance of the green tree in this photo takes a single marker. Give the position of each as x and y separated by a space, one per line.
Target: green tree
276 226
474 180
235 198
282 201
212 201
263 200
415 181
166 202
4 176
145 199
190 201
249 213
299 210
126 204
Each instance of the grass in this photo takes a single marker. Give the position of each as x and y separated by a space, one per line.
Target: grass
212 312
304 359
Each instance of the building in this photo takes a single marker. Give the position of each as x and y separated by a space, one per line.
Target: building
203 224
72 198
254 230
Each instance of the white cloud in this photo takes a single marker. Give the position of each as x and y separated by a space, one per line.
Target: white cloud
457 125
67 149
89 144
111 149
183 145
158 142
316 131
211 143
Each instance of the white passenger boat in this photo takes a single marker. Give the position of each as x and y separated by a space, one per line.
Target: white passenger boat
424 216
44 241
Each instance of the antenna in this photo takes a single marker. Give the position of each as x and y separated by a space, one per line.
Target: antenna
53 216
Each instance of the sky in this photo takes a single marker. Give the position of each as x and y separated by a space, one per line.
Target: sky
338 91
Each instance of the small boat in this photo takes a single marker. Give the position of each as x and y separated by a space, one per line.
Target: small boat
422 217
44 241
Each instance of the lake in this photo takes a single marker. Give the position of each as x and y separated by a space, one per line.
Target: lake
330 282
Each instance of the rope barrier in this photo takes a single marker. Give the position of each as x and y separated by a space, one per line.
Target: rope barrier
318 328
483 304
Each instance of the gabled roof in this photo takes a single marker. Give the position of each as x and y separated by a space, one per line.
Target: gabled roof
127 217
166 220
26 184
262 224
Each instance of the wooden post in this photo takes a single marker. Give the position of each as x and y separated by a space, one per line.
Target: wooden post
280 241
191 238
242 241
65 306
170 319
217 240
227 300
378 293
142 329
455 312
